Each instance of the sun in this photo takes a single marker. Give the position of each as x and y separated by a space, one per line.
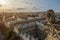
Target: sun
3 2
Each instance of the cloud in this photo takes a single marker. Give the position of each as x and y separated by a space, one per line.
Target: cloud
33 5
21 8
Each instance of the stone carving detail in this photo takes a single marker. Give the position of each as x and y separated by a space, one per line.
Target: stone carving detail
51 16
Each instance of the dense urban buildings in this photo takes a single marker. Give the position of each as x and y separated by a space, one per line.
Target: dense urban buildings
30 26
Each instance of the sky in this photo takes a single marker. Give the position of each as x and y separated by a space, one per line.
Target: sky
32 5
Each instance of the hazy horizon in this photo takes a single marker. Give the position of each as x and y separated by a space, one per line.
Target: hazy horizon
30 5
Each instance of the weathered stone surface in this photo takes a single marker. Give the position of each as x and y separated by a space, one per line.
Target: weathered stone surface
51 16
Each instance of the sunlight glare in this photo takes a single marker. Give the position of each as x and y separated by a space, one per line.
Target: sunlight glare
3 2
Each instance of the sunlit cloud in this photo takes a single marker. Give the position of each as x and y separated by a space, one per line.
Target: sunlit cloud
31 5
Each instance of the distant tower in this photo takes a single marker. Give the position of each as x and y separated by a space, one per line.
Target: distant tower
51 16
